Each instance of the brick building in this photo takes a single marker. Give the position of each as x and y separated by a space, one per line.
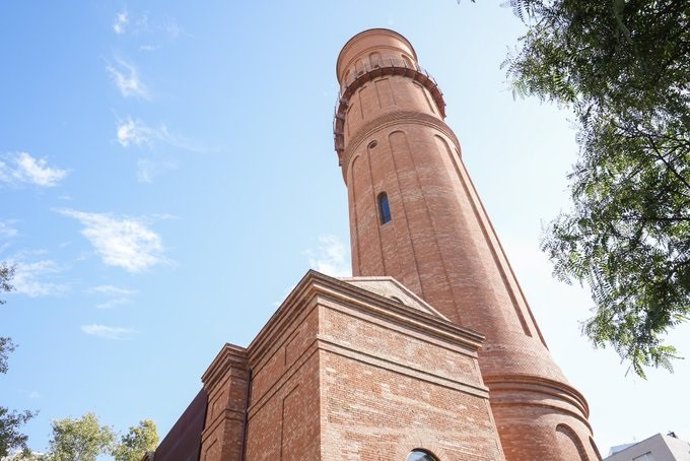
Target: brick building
430 351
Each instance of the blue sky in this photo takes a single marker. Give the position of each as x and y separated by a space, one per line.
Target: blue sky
167 174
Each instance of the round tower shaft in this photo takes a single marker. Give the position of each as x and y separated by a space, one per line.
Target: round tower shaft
416 216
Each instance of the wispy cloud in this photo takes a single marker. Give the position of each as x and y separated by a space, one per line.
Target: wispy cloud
121 21
37 171
141 26
108 332
120 241
111 290
134 132
148 170
29 278
24 168
171 28
126 77
111 303
119 296
148 47
330 257
6 230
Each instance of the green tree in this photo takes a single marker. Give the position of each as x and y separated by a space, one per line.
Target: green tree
623 67
25 456
10 421
139 440
82 439
6 345
10 436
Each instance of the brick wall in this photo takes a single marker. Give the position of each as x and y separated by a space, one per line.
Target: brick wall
226 382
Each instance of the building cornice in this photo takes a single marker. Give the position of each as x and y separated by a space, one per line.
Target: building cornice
229 357
315 284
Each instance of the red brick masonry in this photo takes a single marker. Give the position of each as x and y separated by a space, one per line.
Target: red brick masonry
391 138
431 346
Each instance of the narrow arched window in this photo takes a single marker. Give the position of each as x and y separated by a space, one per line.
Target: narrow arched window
420 455
384 208
407 62
375 59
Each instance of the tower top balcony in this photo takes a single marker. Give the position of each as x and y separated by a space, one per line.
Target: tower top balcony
371 54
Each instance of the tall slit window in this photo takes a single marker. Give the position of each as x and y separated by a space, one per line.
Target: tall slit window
384 208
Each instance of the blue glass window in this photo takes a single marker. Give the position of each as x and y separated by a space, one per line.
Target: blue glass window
384 208
420 455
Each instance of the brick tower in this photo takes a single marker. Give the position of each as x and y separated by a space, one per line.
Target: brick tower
416 216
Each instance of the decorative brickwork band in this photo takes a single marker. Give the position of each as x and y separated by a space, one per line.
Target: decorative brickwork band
389 120
383 67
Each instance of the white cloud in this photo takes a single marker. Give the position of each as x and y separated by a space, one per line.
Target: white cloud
172 29
5 172
108 332
126 78
330 257
134 132
119 296
111 303
37 172
122 242
121 21
29 278
148 170
141 25
110 290
148 47
6 230
30 170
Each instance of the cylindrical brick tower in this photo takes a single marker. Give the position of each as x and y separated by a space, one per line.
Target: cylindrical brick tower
415 215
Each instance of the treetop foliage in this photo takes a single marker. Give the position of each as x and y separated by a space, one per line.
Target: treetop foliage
85 439
10 436
6 344
139 440
623 67
81 439
6 274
